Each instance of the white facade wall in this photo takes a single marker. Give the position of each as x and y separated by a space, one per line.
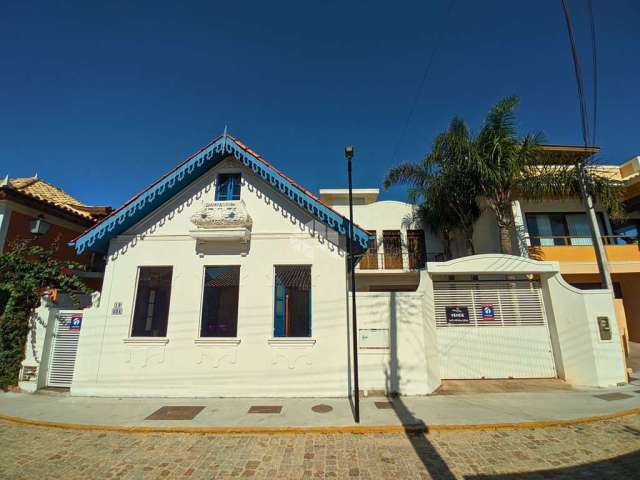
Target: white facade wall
390 215
402 367
37 349
582 358
253 364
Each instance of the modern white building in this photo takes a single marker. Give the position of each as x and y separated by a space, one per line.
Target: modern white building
227 278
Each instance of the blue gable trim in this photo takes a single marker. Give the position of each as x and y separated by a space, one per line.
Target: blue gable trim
97 238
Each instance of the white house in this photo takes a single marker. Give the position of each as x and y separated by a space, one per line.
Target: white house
227 278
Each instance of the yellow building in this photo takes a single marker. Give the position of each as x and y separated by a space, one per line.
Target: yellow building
558 230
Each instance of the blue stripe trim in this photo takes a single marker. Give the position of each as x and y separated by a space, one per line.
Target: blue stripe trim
97 239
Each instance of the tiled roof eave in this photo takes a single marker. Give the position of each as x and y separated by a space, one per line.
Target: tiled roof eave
56 208
132 211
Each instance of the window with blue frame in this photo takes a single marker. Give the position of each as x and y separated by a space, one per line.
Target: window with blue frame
228 186
292 312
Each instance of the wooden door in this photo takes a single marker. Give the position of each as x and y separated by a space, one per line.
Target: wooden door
417 249
369 260
392 244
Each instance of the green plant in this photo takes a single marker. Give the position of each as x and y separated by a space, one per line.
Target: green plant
26 273
508 167
444 186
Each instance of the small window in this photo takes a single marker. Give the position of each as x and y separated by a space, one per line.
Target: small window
152 302
220 302
292 316
228 187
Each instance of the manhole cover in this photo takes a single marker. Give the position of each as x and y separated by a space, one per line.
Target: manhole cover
322 408
265 409
383 405
613 396
175 413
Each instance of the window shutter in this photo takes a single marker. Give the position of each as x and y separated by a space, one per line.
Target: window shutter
279 326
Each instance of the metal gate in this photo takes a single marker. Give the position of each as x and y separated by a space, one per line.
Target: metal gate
64 347
492 329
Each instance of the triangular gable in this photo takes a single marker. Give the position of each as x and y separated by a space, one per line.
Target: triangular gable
97 238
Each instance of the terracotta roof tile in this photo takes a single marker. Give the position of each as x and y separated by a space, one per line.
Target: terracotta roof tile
45 192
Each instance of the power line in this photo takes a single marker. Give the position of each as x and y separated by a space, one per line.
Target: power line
425 74
584 120
587 198
594 58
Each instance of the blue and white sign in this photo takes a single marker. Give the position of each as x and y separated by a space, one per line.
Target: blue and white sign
488 312
75 323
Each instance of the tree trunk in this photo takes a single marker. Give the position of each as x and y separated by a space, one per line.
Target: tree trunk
504 218
468 238
506 245
446 244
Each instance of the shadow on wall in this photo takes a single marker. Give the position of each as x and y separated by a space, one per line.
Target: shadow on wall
415 428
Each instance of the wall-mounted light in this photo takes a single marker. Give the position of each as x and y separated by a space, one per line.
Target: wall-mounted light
39 226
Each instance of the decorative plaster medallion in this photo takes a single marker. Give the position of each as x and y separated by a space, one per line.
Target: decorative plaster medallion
222 214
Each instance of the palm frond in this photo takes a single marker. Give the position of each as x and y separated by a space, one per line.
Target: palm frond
407 173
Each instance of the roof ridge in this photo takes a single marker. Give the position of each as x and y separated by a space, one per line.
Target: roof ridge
135 203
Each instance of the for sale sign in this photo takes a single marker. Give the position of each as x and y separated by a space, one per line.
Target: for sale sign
457 314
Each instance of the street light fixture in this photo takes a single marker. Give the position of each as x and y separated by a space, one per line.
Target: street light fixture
348 153
39 226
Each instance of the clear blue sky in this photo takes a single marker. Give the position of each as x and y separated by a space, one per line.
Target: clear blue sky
103 97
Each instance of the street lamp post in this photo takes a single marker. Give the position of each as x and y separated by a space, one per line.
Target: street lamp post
348 153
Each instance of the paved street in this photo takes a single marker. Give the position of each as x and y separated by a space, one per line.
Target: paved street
605 449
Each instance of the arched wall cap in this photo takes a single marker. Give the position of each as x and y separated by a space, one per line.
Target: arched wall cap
491 263
386 202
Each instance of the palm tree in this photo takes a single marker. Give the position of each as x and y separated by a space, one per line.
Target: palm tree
508 168
443 185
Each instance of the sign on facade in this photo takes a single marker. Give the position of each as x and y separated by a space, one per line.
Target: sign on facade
117 308
75 323
488 312
374 338
457 314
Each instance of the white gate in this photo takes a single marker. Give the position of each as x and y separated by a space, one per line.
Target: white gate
492 329
64 346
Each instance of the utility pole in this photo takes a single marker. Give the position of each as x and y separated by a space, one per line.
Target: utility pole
596 237
587 199
348 153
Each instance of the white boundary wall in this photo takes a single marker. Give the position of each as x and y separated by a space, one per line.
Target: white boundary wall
411 363
581 357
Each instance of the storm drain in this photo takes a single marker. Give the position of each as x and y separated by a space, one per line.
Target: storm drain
175 413
613 396
322 408
384 405
265 409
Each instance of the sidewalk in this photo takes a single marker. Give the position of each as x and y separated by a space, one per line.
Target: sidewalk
232 414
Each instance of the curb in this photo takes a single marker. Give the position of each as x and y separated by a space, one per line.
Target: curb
356 429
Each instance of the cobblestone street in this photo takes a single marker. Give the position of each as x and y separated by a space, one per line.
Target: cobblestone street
605 449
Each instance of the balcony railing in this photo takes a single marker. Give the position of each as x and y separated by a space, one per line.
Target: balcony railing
552 241
405 261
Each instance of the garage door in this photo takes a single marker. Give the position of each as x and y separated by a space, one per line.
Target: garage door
64 347
492 329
